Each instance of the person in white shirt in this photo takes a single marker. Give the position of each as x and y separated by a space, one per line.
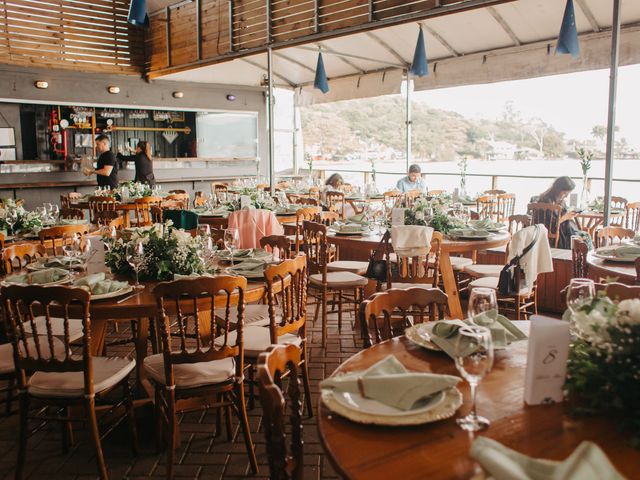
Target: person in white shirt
413 180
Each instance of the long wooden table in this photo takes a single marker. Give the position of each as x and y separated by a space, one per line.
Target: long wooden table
359 248
440 450
599 268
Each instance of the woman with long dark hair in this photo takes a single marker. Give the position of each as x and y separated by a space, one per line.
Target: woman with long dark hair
143 163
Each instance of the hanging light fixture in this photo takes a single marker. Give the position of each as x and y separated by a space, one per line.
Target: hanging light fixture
321 82
419 66
138 13
568 37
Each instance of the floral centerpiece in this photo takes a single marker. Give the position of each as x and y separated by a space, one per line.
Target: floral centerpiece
25 221
167 251
432 213
603 373
135 189
259 200
585 157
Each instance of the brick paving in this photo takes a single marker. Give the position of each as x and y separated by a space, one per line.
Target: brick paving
201 455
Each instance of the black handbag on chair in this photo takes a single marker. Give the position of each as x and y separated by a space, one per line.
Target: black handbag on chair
377 269
511 274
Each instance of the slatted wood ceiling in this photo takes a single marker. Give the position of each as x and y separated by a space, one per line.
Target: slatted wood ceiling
72 34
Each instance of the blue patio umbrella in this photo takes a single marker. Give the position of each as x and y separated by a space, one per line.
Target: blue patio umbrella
321 82
419 65
138 13
568 38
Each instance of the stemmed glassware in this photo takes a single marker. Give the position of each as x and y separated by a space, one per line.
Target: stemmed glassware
12 219
135 257
473 352
71 248
580 292
481 301
231 241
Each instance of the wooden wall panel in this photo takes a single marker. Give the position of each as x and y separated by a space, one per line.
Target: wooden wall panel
392 8
292 19
214 28
337 14
249 23
184 34
158 55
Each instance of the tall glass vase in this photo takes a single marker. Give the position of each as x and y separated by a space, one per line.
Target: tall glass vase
585 194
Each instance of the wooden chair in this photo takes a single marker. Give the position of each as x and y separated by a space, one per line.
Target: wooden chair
67 199
421 271
335 202
103 218
494 192
505 206
324 283
410 197
143 210
277 362
632 216
579 251
549 215
101 204
181 198
71 214
487 207
278 245
392 197
199 199
62 380
178 192
53 236
217 187
1 241
516 223
618 203
310 214
435 193
387 314
156 214
329 218
305 200
16 257
606 236
638 271
198 365
619 291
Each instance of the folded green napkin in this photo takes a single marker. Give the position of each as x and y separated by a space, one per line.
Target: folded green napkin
445 334
627 251
249 267
587 462
503 332
98 284
348 227
39 277
360 218
468 232
242 253
185 219
390 383
61 262
485 224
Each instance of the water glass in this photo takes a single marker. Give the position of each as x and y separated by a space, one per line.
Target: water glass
580 292
473 355
135 257
481 301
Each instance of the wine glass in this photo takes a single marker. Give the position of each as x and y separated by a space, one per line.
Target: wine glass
231 241
580 292
12 219
481 301
55 211
203 230
71 249
135 257
473 355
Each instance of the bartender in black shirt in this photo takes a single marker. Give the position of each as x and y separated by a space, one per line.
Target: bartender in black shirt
107 167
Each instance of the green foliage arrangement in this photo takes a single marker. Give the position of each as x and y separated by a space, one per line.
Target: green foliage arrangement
585 157
27 221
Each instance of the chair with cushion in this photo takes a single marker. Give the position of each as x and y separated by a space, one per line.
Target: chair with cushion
278 245
194 364
278 362
323 283
387 314
60 379
71 214
51 237
420 271
579 251
607 236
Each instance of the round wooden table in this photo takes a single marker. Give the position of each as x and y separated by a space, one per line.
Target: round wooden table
217 221
440 450
358 247
623 272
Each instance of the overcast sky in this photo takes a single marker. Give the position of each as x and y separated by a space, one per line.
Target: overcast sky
572 103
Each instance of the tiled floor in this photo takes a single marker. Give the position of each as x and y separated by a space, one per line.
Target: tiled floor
201 454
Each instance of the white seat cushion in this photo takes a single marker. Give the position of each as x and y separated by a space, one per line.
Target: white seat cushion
57 327
359 268
404 286
107 373
339 280
191 375
257 340
460 264
484 270
254 314
492 282
7 365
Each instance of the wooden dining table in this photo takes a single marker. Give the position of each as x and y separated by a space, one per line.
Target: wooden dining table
359 247
622 272
440 450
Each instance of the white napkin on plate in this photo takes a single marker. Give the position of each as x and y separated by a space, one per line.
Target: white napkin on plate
411 240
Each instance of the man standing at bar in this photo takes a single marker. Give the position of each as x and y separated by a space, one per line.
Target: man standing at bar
107 167
413 180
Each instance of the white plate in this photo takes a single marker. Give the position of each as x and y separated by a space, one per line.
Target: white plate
355 401
420 334
361 233
452 400
117 293
37 265
613 258
62 281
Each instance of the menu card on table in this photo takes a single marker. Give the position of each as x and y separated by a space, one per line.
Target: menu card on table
546 360
397 216
245 201
95 262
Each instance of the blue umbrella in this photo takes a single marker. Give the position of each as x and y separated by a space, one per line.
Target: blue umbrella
138 13
419 65
568 38
321 82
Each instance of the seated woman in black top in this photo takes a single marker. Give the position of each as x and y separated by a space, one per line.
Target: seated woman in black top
107 166
557 194
143 162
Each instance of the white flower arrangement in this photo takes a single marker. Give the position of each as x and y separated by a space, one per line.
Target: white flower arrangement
26 222
135 189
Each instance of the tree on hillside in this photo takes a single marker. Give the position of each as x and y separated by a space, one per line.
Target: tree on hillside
538 130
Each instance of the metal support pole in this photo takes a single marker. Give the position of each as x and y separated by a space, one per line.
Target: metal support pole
270 105
611 122
408 122
294 142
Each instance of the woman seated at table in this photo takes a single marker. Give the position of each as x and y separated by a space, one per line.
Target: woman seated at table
334 184
143 163
557 195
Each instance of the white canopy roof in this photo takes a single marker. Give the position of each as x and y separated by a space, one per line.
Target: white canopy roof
508 41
